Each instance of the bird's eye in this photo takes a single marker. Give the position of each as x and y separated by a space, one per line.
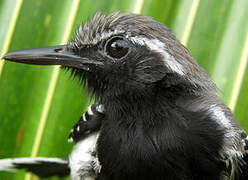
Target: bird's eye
117 47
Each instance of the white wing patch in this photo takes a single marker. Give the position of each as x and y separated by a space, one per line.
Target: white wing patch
82 162
90 112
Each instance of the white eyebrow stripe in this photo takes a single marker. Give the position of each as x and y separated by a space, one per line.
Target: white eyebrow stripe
158 46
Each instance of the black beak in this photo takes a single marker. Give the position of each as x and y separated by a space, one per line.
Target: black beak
55 55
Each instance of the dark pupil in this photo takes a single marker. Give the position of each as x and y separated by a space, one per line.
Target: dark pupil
117 48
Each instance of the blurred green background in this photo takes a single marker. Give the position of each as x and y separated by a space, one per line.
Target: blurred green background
39 105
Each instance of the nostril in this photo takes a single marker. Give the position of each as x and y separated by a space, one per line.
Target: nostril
58 50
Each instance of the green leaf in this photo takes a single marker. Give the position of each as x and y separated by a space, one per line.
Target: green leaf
39 105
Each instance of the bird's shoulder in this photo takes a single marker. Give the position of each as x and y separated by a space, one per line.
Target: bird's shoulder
208 113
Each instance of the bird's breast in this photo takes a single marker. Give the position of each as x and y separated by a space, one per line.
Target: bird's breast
133 150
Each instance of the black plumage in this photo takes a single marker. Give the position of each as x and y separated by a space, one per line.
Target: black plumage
162 118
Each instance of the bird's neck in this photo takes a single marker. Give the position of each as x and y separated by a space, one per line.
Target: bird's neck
143 108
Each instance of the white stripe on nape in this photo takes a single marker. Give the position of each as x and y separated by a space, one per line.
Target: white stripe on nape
158 46
9 164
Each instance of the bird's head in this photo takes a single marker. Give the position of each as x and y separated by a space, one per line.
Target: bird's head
122 53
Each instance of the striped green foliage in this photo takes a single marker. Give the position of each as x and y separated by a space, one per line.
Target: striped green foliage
39 105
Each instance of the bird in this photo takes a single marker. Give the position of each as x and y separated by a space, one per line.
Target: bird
162 116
